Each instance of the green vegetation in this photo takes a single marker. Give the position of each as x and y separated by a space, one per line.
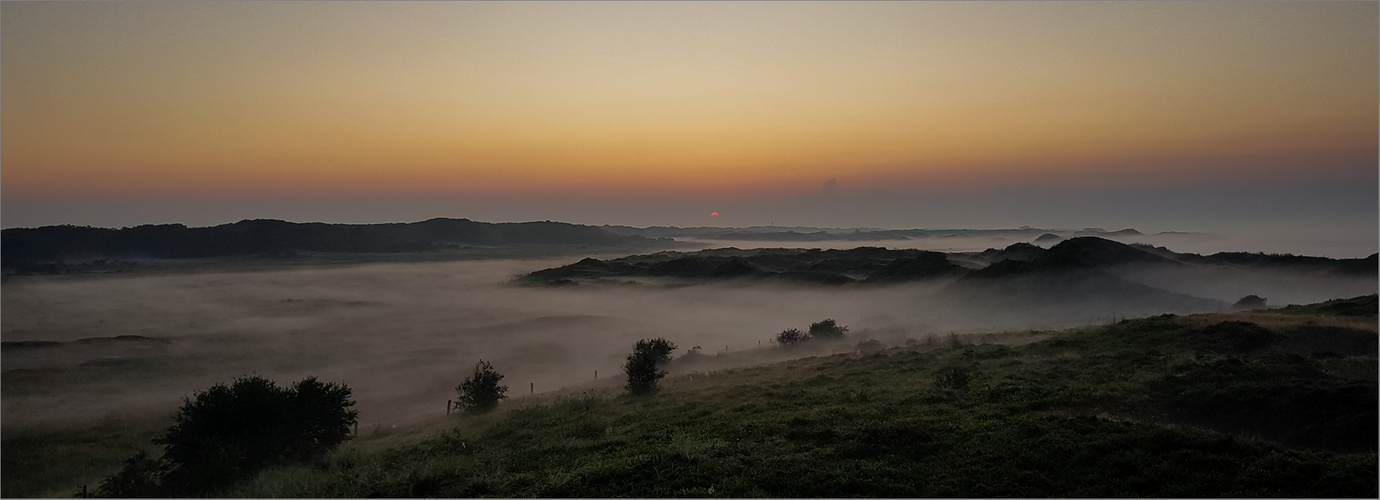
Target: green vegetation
791 337
827 329
480 393
644 365
54 461
1190 406
1256 404
227 433
1357 306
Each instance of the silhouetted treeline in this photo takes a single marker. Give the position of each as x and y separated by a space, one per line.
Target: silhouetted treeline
38 249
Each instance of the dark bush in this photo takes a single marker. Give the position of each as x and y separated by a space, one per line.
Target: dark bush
480 393
827 330
138 479
644 365
1249 302
226 433
952 378
790 337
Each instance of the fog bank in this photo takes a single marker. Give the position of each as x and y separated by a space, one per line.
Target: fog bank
404 335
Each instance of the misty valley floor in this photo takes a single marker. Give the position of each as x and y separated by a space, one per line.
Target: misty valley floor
1259 404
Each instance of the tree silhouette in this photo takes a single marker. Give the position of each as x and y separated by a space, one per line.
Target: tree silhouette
644 365
480 393
790 337
226 433
827 330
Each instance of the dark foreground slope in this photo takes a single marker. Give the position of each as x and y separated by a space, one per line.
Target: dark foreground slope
54 248
1247 405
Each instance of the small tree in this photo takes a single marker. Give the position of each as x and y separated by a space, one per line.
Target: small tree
827 330
226 433
480 393
644 365
790 337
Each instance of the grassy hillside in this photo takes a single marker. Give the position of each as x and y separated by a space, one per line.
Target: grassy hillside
1254 404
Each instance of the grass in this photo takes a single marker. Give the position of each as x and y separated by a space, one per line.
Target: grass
55 462
1163 406
1167 406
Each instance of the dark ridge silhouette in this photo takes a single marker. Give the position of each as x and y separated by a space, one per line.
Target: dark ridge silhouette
1015 251
833 267
1072 261
927 265
1249 302
1084 252
49 249
1033 289
1125 232
807 234
1363 266
1048 237
1365 305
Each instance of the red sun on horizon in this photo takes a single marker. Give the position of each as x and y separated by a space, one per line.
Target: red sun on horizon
714 214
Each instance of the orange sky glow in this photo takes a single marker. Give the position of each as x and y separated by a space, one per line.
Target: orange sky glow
573 98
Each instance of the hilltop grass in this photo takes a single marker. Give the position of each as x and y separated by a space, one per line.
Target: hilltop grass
1191 406
48 462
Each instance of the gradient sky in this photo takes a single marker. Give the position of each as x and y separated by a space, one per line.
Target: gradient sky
1178 115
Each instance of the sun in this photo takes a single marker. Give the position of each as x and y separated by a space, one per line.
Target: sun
714 214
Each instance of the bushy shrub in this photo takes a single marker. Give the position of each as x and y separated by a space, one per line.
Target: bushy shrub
952 378
140 478
644 365
827 330
790 337
226 433
480 393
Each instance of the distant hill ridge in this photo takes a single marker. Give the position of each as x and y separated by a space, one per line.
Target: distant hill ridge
55 244
1083 273
876 264
806 234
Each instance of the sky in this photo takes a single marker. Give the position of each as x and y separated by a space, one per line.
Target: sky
1165 116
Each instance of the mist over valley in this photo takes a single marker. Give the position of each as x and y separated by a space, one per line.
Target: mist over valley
79 347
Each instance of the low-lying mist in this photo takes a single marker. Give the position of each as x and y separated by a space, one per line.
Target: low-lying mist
404 335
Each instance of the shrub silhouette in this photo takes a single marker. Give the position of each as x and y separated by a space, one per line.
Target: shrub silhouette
480 393
1249 302
790 337
138 479
226 433
952 378
644 365
827 330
